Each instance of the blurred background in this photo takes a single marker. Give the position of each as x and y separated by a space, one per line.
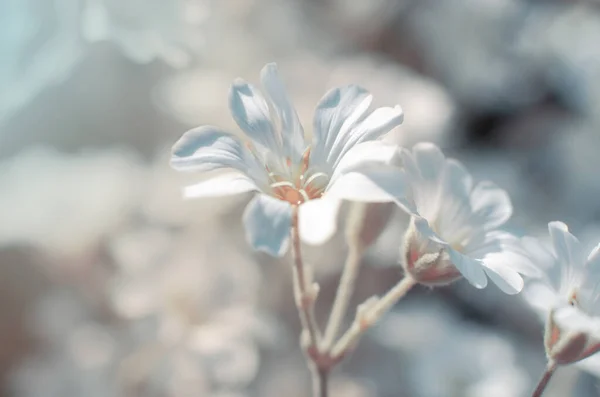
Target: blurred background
112 286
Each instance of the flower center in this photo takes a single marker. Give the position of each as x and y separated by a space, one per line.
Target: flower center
300 184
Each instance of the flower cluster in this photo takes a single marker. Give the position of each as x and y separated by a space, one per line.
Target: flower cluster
453 232
298 185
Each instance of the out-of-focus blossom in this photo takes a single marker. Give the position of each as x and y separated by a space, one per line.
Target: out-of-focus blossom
568 295
66 204
80 356
481 70
39 46
147 30
571 67
431 340
288 170
456 231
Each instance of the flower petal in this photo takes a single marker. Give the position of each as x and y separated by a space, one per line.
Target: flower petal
336 113
425 168
292 134
540 296
378 123
457 180
251 112
506 278
471 269
379 185
207 148
426 231
221 185
317 220
490 204
593 260
429 160
566 246
267 221
363 155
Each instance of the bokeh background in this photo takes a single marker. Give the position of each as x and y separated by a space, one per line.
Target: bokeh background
112 286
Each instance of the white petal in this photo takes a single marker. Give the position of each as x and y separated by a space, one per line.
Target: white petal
292 134
507 279
206 148
593 260
573 319
491 204
336 113
540 296
426 231
221 185
470 268
457 180
429 160
317 220
378 123
380 185
566 246
425 168
454 216
251 112
267 221
364 154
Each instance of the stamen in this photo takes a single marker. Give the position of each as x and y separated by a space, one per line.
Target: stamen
279 184
313 177
305 160
305 196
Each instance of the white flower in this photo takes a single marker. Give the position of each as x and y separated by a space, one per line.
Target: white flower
455 231
567 294
287 169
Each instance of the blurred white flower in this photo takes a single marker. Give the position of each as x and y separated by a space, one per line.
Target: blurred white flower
455 233
568 294
428 336
39 46
287 170
147 30
66 204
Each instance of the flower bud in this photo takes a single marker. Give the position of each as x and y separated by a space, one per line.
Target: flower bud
427 264
565 340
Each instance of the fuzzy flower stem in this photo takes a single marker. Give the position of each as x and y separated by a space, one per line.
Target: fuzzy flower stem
305 297
343 293
368 316
550 368
320 378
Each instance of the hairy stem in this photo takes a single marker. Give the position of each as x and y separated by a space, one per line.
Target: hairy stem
320 378
305 296
550 368
343 294
368 316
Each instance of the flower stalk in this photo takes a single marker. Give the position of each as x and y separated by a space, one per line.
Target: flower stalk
306 292
550 369
343 294
368 314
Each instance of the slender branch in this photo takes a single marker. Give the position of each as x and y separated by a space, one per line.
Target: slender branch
367 316
305 296
343 294
320 378
550 368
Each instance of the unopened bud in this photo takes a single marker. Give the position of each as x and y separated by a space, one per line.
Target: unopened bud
567 346
427 267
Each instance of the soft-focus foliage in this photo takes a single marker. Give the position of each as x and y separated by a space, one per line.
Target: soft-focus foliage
111 285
